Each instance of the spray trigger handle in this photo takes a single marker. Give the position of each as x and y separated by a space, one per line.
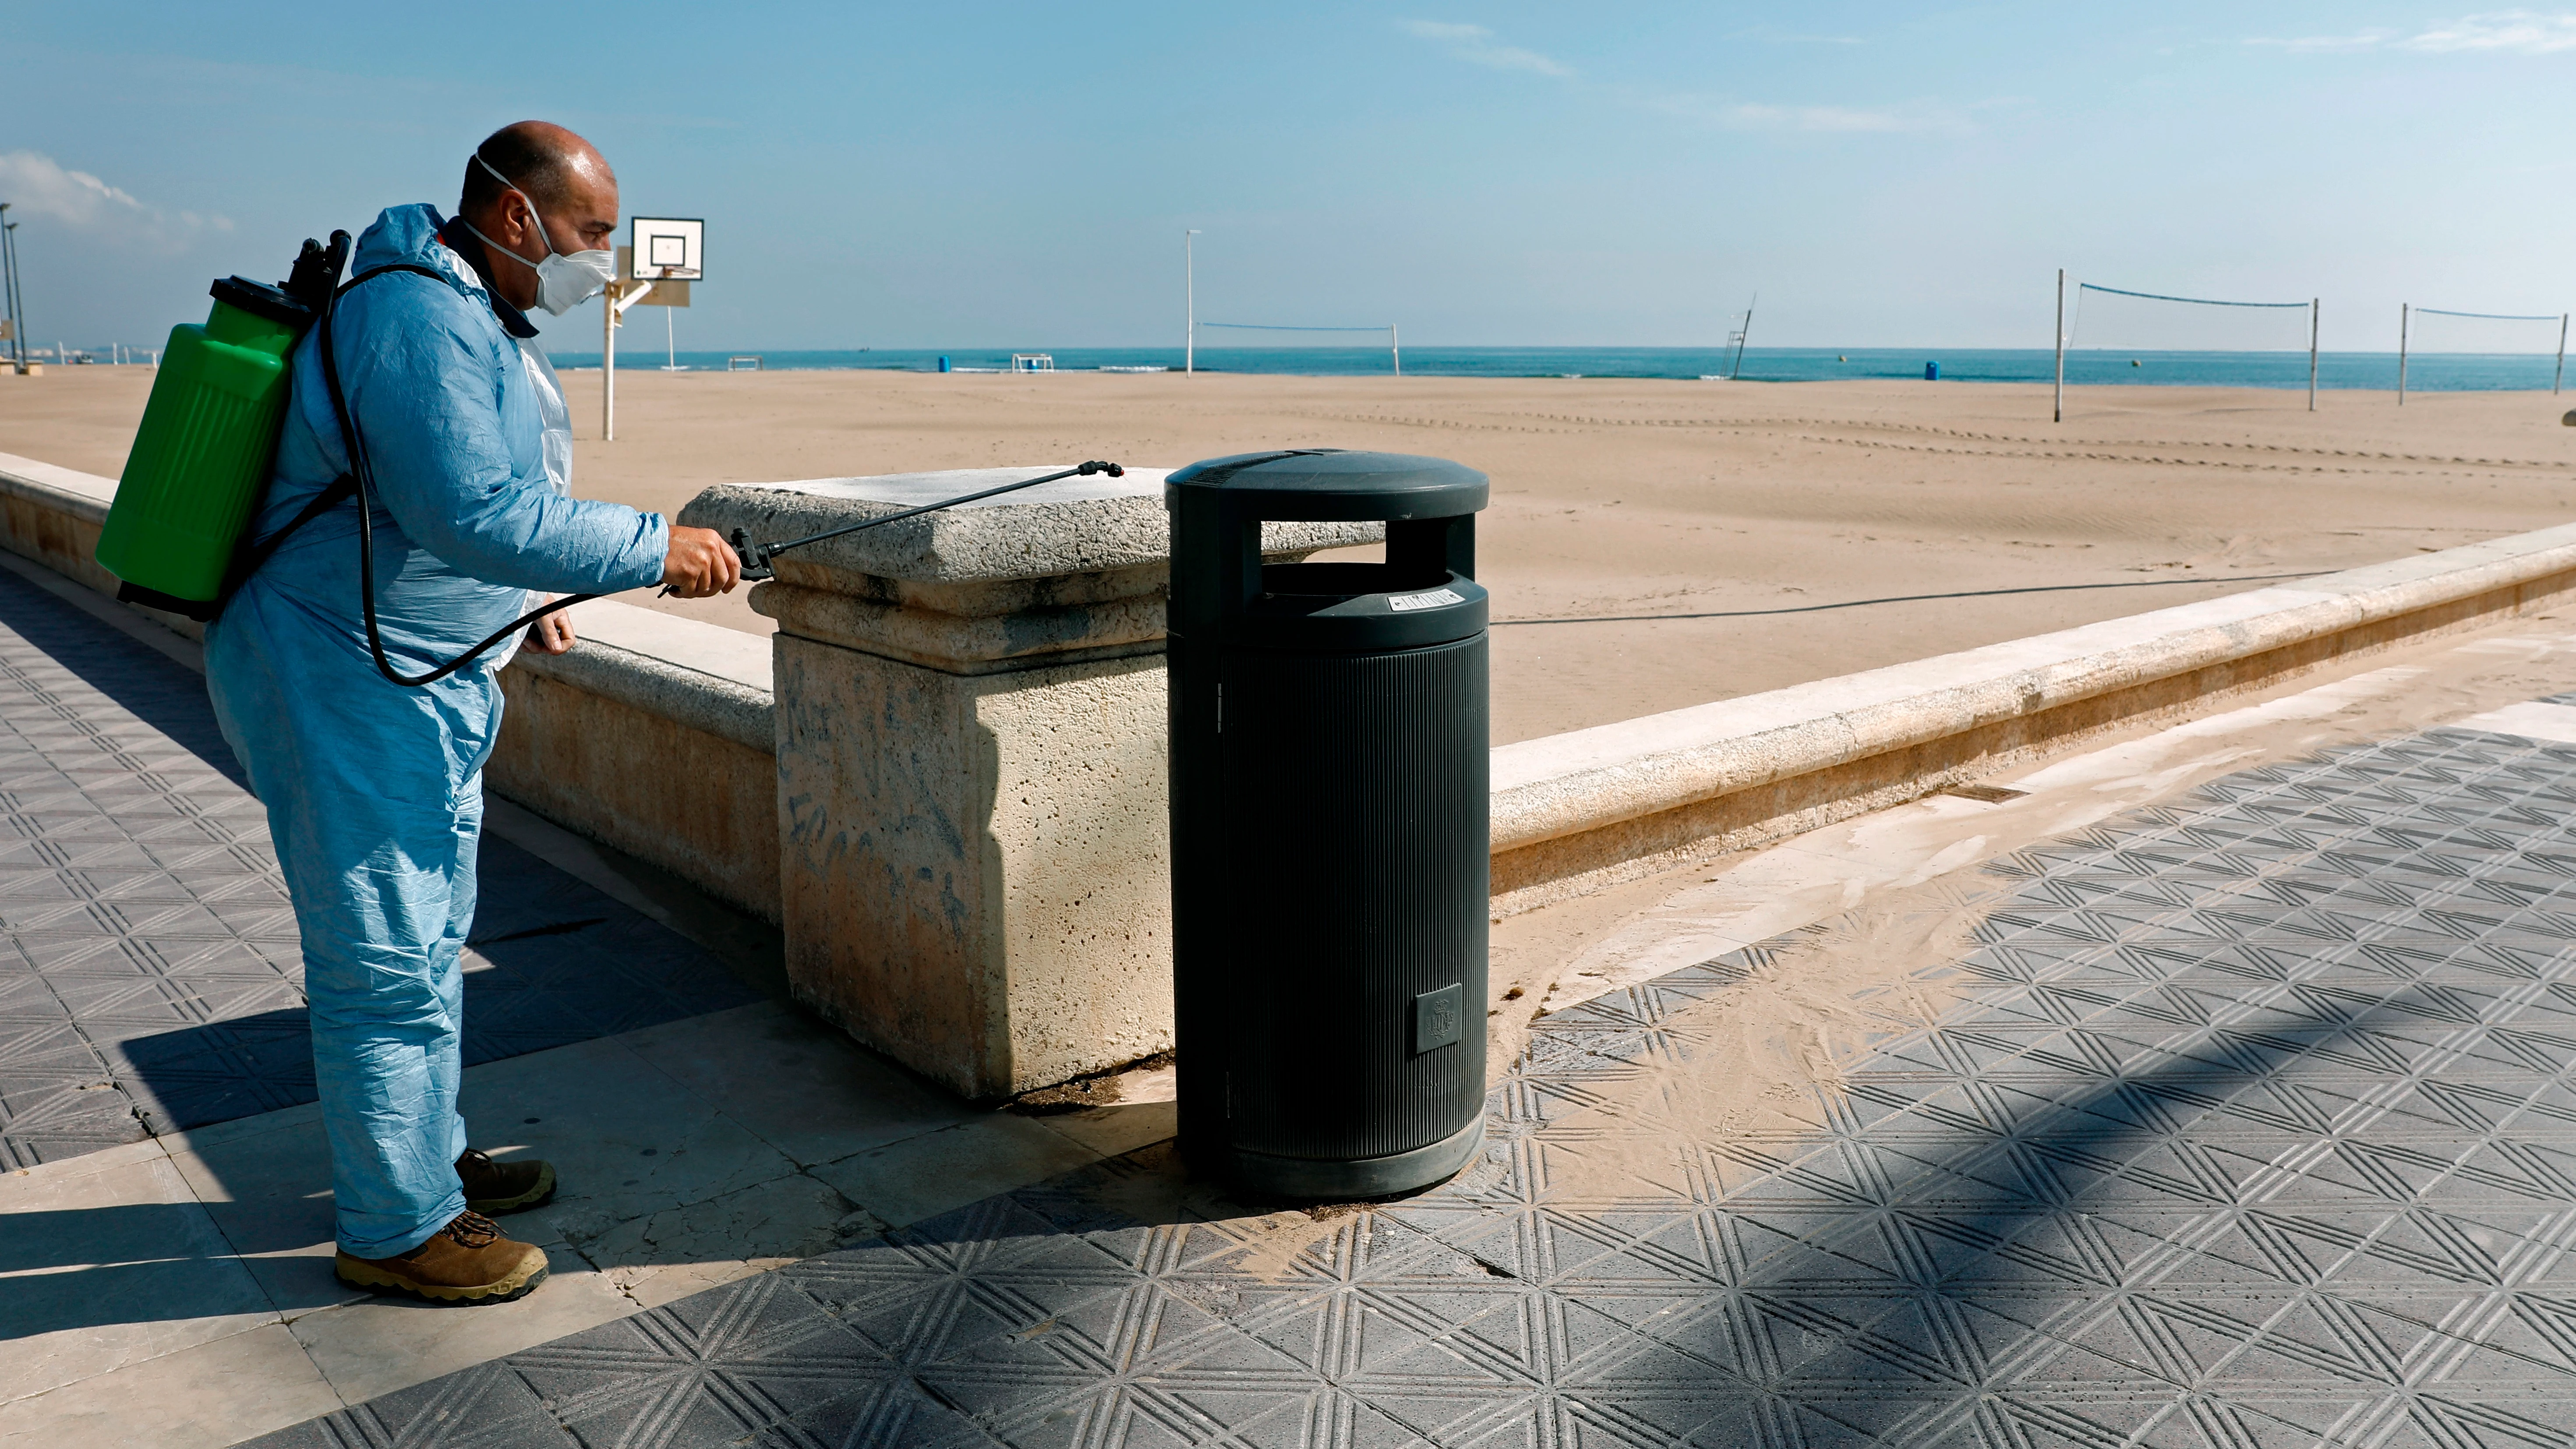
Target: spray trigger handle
755 556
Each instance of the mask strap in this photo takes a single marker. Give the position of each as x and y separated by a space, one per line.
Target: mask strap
491 245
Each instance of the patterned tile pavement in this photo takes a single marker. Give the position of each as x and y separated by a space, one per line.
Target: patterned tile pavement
2249 1122
149 975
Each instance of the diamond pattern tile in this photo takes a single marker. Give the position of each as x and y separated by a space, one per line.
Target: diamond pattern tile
149 972
2251 1121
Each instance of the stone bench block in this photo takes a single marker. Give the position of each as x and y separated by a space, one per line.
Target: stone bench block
970 714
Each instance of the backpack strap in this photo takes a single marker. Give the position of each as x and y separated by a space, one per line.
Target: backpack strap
351 447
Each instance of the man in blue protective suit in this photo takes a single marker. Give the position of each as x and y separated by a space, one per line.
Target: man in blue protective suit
375 791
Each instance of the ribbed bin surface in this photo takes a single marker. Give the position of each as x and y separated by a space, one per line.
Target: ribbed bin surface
1344 777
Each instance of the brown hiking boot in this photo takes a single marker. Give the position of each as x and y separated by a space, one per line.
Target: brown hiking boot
468 1261
493 1188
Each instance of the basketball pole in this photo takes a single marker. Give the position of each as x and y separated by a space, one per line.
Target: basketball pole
622 293
2405 314
2312 352
608 363
2060 414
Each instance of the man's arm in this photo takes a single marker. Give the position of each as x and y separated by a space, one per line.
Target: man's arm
423 395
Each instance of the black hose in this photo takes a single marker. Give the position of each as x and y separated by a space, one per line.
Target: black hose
364 475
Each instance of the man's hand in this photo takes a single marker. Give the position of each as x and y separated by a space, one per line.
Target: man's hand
700 564
553 633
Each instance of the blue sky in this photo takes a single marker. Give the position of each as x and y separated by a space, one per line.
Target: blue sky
1019 175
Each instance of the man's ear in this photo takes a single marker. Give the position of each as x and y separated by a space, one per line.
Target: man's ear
517 213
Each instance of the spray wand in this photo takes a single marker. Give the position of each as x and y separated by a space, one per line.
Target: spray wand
756 556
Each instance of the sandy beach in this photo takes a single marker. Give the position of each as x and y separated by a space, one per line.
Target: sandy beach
1687 532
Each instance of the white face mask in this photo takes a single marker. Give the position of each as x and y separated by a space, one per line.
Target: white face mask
565 280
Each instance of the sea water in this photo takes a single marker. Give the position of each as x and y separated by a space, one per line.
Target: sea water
2425 372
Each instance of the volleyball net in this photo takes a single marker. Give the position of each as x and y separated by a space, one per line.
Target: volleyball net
2104 318
2491 334
1394 344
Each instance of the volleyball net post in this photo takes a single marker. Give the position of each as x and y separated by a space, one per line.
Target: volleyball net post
2405 324
2313 310
1189 302
1394 343
2059 414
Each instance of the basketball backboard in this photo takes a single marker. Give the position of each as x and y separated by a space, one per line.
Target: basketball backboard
663 293
669 249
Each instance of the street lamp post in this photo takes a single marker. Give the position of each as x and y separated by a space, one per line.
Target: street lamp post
17 299
9 289
1189 303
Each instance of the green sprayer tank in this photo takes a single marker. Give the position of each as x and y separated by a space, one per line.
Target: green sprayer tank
201 458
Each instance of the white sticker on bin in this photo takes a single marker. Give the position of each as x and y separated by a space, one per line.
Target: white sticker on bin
1407 603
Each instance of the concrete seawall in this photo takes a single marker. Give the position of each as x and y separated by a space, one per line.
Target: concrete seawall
1582 810
53 515
657 734
654 736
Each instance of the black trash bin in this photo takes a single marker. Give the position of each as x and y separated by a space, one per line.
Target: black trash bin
1329 826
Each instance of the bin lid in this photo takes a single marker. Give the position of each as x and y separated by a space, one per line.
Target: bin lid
1334 483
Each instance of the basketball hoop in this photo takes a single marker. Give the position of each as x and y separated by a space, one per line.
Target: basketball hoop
664 255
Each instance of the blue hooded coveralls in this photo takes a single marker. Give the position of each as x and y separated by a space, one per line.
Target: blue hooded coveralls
374 791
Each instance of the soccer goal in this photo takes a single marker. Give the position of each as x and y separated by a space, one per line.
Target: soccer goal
1394 343
2109 320
2498 340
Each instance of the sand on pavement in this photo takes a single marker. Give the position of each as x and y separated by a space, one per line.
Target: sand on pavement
1672 521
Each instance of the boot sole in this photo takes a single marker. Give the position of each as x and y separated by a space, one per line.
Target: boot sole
358 1273
537 1196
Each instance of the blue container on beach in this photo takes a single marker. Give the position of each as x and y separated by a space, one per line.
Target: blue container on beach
943 364
1931 372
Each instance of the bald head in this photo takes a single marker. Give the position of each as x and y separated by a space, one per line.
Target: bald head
544 160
